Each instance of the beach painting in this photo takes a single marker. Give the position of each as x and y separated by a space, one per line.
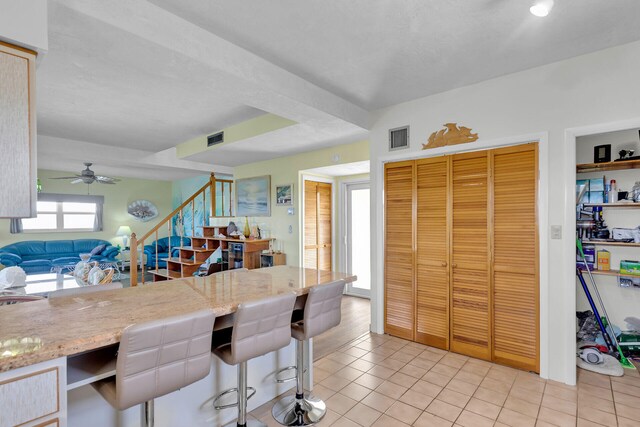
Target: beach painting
284 195
253 196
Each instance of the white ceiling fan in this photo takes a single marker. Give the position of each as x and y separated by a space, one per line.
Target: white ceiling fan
87 176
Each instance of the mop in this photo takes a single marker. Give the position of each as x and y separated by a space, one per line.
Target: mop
610 339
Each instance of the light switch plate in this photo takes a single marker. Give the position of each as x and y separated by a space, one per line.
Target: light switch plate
290 211
556 232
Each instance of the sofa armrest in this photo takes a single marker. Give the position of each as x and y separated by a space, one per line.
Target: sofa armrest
150 249
9 260
110 252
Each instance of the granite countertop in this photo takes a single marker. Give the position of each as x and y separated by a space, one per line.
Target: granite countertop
43 330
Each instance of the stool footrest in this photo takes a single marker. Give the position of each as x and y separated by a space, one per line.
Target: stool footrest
216 399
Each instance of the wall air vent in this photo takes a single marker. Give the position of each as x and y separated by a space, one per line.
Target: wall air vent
399 138
215 139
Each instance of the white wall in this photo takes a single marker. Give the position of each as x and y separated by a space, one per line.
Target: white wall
602 87
24 23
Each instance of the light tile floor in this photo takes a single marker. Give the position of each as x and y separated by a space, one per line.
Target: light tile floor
378 380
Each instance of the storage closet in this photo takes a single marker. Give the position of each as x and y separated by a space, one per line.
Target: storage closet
317 225
461 253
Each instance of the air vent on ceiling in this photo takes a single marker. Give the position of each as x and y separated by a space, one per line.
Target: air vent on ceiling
215 139
399 138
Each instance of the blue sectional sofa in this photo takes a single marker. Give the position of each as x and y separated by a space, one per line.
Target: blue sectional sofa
38 256
163 250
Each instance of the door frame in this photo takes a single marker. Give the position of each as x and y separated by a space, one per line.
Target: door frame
343 236
327 180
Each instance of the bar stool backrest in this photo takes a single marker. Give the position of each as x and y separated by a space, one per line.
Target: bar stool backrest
322 310
261 327
159 357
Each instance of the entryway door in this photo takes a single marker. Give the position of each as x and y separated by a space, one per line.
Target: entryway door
358 242
317 225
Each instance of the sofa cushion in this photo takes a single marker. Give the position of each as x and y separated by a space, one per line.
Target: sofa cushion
35 263
86 245
59 247
67 260
98 249
30 247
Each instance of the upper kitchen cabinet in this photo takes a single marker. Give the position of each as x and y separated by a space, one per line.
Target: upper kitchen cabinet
17 132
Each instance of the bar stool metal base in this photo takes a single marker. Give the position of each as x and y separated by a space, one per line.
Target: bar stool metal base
290 411
250 423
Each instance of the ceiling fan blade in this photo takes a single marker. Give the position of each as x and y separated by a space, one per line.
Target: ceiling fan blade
105 182
106 178
77 181
66 177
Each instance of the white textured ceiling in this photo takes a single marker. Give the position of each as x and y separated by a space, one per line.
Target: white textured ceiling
382 52
148 75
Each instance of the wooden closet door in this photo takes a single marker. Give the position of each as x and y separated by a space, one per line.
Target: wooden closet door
399 249
470 256
324 225
432 252
310 224
515 270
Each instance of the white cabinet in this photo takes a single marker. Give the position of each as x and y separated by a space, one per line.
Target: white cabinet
18 172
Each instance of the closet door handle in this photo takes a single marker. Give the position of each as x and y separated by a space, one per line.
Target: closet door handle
454 265
444 263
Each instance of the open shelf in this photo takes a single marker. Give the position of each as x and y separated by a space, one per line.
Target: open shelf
611 273
605 243
612 205
608 166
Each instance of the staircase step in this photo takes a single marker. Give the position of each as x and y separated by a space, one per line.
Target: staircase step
195 249
166 274
183 261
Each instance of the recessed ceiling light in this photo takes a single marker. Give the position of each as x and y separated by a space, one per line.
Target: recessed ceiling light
541 8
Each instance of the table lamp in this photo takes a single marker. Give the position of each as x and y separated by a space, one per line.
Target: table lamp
125 232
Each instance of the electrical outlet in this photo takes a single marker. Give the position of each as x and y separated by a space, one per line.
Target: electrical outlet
556 232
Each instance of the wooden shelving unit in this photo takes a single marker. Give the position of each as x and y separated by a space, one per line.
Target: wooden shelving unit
612 205
600 243
612 273
608 166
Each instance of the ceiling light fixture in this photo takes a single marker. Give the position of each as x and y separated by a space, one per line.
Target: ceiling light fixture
541 8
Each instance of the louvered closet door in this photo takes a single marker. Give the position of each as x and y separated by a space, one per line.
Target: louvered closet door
324 226
398 265
470 317
310 224
515 294
432 252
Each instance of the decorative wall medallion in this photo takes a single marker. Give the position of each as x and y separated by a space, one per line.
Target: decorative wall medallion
143 210
451 135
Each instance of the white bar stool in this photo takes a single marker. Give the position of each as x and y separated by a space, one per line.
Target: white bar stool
259 327
322 311
157 358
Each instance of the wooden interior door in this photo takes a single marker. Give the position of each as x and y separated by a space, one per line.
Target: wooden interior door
317 225
399 232
470 255
432 252
515 268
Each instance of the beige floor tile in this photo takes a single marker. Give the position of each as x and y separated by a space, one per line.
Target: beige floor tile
345 422
515 419
363 415
415 399
586 423
340 403
390 363
475 368
626 422
319 374
496 397
454 360
355 352
403 379
558 418
413 371
385 351
355 391
322 392
381 372
426 388
626 411
362 365
445 370
430 420
495 385
589 401
402 356
343 358
431 356
437 378
599 392
329 419
462 387
502 375
378 401
328 365
626 399
527 395
626 388
422 363
561 392
469 377
541 423
392 390
565 406
522 406
387 421
529 384
403 412
444 410
592 378
366 345
454 398
596 415
369 381
481 407
471 419
349 373
335 382
373 357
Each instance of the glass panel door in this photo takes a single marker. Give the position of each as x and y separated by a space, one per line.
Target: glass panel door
358 238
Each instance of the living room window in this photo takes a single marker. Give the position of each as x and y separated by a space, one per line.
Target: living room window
64 212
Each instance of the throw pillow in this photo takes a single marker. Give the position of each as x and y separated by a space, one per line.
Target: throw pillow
98 249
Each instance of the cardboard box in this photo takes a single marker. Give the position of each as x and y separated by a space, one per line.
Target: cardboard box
604 260
630 267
